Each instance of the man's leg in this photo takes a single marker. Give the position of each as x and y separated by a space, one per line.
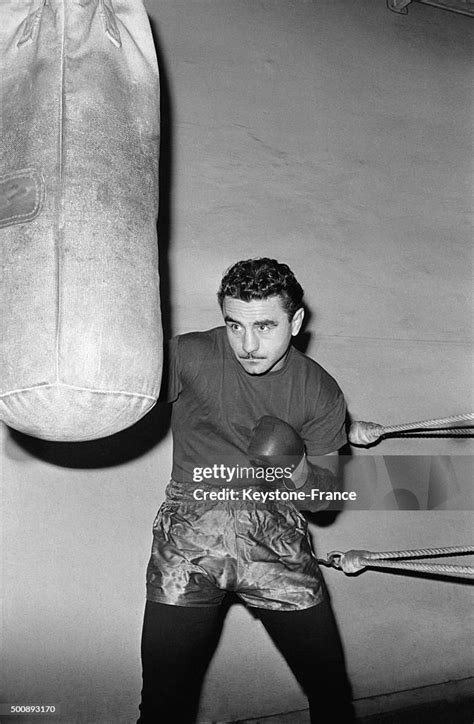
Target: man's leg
177 645
309 641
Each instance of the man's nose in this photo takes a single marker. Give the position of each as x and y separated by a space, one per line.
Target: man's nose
250 342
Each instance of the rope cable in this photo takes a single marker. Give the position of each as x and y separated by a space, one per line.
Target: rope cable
440 432
436 422
424 567
421 552
354 561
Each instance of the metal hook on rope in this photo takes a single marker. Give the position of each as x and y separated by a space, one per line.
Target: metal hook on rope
333 560
354 561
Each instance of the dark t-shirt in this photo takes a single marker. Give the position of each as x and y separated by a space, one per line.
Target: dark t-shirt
217 403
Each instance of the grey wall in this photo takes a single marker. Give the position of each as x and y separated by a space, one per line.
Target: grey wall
334 136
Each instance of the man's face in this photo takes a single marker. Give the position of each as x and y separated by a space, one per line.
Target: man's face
260 332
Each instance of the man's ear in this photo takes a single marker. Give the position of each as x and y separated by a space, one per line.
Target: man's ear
297 321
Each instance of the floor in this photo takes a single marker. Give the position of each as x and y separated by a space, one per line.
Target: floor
441 712
437 713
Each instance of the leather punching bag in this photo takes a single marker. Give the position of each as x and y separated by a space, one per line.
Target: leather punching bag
81 337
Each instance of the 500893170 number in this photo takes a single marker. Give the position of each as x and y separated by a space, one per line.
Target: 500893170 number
29 709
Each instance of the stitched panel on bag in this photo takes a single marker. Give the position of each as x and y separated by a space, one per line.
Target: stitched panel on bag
21 196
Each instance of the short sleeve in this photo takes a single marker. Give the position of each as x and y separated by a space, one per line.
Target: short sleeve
325 431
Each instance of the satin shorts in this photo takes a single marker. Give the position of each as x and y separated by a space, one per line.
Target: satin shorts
201 550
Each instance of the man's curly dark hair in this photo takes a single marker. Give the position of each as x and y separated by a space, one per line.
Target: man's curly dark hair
259 279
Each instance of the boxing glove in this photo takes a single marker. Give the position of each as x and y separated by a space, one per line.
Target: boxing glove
274 443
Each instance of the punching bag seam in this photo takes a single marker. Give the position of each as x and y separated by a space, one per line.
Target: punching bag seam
80 389
60 223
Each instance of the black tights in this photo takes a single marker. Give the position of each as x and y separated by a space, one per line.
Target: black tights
178 643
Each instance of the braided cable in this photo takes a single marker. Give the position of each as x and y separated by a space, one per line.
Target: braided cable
440 432
420 552
441 568
436 422
354 561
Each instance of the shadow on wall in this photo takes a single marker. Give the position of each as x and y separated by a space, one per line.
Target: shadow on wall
149 431
106 452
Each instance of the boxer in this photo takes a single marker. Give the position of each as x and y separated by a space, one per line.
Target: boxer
250 412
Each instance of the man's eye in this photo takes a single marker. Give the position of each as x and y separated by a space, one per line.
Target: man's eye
235 327
264 327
